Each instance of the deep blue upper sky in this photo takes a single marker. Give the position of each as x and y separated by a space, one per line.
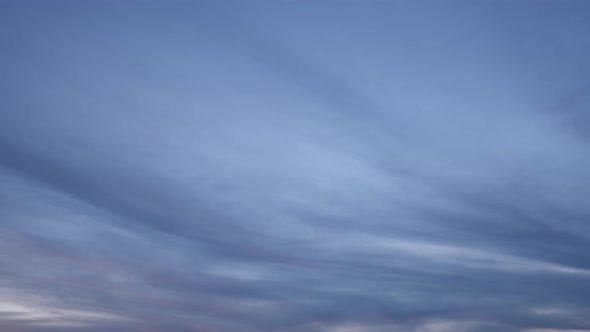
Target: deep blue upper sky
295 166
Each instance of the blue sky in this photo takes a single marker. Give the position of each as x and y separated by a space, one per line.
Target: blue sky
294 166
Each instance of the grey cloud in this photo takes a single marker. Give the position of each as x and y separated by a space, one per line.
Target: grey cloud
314 167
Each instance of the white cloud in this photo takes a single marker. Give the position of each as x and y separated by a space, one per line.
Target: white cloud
38 311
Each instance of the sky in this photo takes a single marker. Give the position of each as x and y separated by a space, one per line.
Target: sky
295 166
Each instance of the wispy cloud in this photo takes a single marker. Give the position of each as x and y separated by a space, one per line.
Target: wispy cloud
308 166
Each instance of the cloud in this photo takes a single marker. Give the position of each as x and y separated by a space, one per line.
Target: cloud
358 167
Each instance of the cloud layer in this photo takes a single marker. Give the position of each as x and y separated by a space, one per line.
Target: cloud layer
359 166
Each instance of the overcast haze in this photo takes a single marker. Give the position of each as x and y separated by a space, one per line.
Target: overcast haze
295 166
